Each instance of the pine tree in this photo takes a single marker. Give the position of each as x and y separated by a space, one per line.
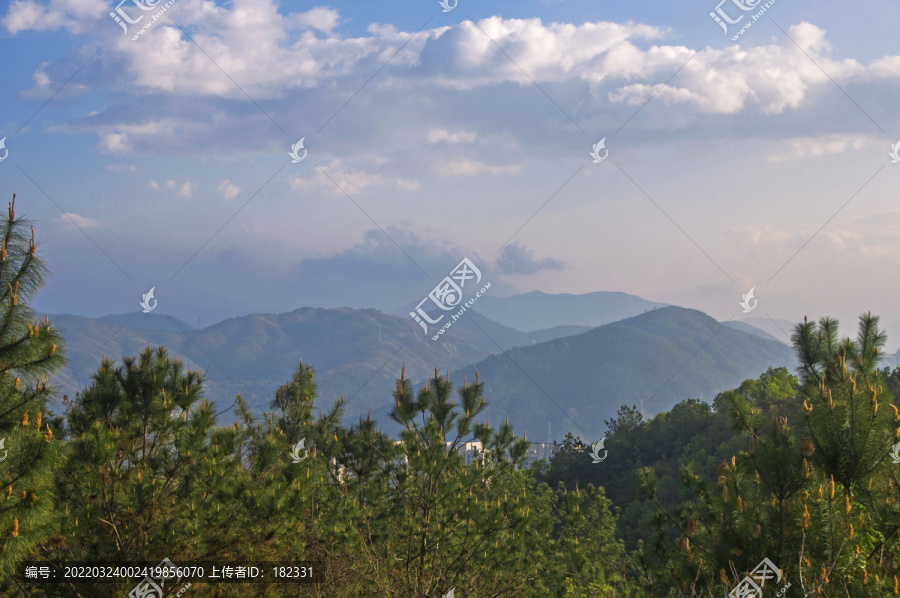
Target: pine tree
842 393
294 403
30 350
452 524
813 491
138 469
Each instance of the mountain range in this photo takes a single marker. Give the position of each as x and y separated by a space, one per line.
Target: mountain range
540 311
356 353
571 375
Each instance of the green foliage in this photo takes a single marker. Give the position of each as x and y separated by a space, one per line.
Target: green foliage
811 490
137 470
29 351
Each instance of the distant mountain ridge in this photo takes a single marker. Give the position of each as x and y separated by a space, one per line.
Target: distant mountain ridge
150 321
751 329
780 329
537 310
356 353
652 360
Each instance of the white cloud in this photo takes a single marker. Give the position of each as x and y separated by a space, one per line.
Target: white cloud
122 138
321 18
271 53
274 55
438 135
772 77
339 180
466 167
229 190
547 52
810 38
253 43
406 185
27 15
170 184
71 221
185 189
803 147
154 136
40 77
767 235
859 236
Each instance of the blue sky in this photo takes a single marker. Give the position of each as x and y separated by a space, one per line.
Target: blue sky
761 161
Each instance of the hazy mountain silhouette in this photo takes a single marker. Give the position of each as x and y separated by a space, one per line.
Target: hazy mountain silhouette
537 310
151 321
652 360
356 353
744 326
780 329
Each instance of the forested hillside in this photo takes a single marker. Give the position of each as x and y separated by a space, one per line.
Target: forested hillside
652 360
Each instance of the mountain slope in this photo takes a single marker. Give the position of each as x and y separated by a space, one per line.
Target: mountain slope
356 354
780 329
743 326
151 321
478 329
537 310
652 360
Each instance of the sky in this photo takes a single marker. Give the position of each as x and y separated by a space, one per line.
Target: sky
747 158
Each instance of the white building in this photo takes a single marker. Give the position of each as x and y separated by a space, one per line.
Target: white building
536 451
472 451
